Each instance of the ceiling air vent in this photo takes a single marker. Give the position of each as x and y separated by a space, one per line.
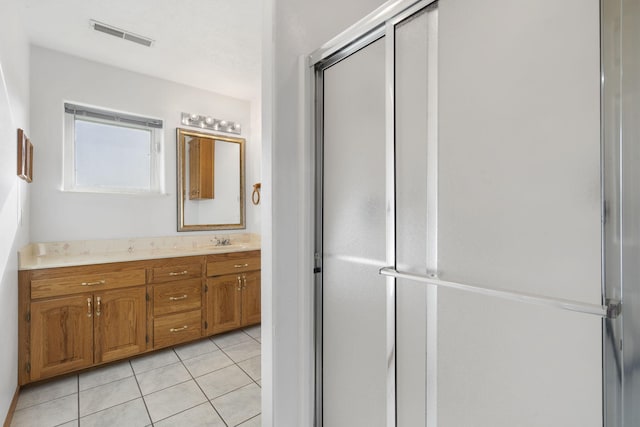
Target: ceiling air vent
120 33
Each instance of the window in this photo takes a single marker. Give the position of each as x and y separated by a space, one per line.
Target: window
111 152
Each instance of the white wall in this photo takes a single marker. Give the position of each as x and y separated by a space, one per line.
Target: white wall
57 215
14 230
299 27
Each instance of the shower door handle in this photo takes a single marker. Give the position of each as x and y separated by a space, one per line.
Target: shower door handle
611 310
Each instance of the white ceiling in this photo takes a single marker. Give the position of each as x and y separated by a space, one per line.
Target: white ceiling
210 44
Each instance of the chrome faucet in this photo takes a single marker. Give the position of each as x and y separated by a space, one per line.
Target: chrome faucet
223 242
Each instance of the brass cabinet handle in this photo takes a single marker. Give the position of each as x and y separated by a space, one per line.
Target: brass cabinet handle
178 298
244 281
98 306
178 273
99 282
178 329
89 312
240 265
239 283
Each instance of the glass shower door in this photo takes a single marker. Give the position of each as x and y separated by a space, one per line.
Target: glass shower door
467 170
354 240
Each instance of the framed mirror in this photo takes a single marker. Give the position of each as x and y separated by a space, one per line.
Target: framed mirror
210 181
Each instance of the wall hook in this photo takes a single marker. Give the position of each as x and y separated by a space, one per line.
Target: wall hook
255 196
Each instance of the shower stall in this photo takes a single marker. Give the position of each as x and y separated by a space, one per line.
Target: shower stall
477 215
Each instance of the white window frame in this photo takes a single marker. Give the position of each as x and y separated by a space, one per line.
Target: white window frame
119 119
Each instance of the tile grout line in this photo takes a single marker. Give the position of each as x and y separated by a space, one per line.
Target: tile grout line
249 375
238 363
30 407
108 382
50 381
201 390
252 337
181 360
144 402
108 407
248 419
253 379
245 372
243 360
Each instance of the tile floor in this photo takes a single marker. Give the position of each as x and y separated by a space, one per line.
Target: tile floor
212 382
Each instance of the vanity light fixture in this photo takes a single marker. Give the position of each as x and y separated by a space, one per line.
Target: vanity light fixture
208 122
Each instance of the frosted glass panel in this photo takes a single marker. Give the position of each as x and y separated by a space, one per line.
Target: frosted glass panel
519 146
414 145
505 364
110 156
354 362
412 95
519 209
354 316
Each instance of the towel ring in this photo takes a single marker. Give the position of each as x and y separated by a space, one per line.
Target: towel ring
255 196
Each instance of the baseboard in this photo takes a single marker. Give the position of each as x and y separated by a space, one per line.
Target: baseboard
12 408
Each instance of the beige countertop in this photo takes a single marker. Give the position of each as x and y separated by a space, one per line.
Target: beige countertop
84 252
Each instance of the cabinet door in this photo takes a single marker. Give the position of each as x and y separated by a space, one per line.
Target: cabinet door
201 174
61 335
251 298
223 303
120 323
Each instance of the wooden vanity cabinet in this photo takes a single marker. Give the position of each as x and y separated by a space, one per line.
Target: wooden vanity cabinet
176 299
232 291
75 332
78 316
72 318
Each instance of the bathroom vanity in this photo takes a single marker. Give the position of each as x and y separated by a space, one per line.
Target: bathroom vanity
82 304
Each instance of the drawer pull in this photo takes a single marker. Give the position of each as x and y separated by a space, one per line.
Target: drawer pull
178 298
179 329
99 282
178 273
89 307
241 265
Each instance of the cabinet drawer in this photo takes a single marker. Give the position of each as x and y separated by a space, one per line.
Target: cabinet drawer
230 266
177 328
177 296
88 282
176 272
